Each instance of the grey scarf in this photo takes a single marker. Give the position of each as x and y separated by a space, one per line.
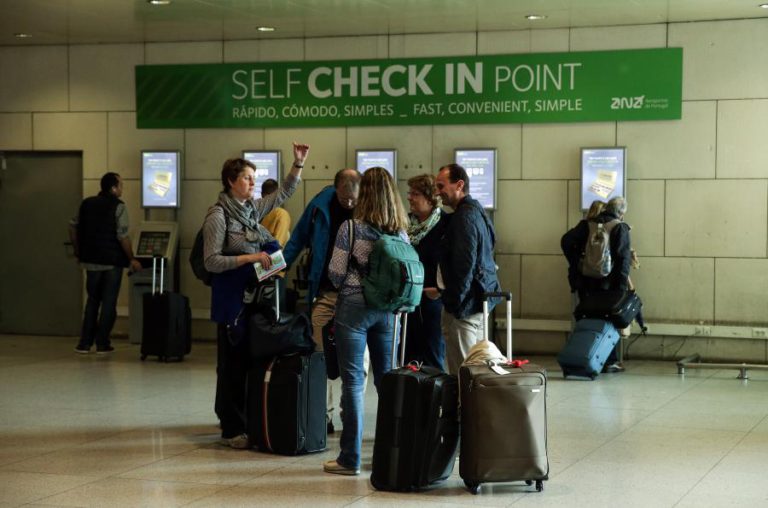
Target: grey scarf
245 215
418 230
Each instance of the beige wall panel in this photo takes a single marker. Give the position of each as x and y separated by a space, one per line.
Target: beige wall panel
552 150
248 51
327 149
544 291
207 149
697 223
504 42
413 144
740 295
125 143
531 217
723 60
34 78
645 213
196 197
618 37
505 138
312 188
676 289
550 41
347 48
15 131
574 203
675 148
509 279
273 50
183 52
424 45
198 293
741 128
281 50
102 77
74 131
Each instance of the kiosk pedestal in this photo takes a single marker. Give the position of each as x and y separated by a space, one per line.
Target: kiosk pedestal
152 239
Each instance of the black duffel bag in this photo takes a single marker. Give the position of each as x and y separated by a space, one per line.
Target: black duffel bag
272 332
291 333
615 306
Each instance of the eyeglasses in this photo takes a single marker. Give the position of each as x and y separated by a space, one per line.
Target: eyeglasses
413 194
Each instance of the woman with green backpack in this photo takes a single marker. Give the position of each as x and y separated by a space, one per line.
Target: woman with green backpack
362 317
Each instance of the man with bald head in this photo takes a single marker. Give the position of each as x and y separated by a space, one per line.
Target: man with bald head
317 228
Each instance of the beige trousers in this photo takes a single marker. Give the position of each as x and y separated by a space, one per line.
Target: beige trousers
460 335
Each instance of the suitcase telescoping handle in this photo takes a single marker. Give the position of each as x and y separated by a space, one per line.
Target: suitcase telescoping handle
394 340
159 289
507 295
277 299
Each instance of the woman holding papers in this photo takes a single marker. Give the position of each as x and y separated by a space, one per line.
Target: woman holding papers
234 242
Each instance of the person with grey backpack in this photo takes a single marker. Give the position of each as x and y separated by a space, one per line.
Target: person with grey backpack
599 257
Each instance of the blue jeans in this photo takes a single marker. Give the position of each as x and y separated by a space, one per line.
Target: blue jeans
356 325
102 287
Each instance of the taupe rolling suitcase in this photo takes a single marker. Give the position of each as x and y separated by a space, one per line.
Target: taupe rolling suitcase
503 418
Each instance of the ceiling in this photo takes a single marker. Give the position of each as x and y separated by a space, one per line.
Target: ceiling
119 21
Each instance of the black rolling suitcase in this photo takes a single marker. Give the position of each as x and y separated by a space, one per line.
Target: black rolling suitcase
286 394
167 325
503 418
417 427
286 404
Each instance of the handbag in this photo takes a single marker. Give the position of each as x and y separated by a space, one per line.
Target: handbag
292 333
329 348
615 306
271 333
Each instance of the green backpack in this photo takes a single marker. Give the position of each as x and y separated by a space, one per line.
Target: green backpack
395 278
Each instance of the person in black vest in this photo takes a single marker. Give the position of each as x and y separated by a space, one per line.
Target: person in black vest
99 234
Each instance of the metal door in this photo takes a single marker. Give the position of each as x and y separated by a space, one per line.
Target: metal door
40 280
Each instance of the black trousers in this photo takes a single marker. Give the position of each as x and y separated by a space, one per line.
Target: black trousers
232 364
424 340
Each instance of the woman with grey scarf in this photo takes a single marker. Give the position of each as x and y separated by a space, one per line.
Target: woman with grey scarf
424 339
234 240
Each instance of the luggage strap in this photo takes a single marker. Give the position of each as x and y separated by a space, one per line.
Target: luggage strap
265 399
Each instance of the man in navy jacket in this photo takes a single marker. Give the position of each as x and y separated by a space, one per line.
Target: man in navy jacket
467 268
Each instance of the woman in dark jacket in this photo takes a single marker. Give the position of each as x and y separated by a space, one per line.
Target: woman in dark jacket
424 339
234 240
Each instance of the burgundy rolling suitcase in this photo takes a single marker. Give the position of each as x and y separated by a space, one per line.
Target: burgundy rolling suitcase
503 418
167 323
417 427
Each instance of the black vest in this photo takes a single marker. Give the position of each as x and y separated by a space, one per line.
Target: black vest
97 232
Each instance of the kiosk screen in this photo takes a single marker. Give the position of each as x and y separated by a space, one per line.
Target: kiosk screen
160 179
480 165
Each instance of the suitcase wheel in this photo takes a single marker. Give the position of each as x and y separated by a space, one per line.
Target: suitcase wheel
143 357
539 485
472 487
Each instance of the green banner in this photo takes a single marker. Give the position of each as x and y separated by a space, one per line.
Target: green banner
643 84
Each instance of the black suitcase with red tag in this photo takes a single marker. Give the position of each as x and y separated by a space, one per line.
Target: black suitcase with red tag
417 427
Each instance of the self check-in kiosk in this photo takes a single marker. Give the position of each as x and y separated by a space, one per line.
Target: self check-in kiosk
153 238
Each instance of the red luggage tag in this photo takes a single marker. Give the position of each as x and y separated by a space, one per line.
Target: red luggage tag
518 363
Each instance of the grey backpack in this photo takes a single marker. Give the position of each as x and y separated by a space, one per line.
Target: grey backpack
597 261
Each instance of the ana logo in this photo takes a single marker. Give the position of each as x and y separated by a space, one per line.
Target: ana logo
627 102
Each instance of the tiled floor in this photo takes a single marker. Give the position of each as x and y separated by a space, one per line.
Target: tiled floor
113 431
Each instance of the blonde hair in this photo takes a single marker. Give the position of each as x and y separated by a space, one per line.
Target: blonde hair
379 203
594 209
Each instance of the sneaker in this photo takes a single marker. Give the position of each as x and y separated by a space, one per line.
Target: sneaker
104 350
240 442
614 368
82 350
334 467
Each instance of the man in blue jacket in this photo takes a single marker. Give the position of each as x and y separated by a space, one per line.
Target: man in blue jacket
317 228
467 268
